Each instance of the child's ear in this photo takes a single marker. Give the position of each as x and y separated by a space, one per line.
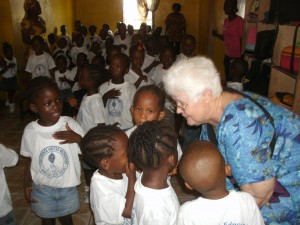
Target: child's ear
188 186
228 170
161 115
173 159
105 163
33 108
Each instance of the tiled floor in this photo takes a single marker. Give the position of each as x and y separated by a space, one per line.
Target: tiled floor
11 129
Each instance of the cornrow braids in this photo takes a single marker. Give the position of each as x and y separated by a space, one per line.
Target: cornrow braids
151 143
98 143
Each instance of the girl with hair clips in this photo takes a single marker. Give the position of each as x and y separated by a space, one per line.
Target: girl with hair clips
153 148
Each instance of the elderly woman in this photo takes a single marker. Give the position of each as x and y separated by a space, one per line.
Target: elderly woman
244 132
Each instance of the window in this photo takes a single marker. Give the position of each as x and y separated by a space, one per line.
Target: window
132 15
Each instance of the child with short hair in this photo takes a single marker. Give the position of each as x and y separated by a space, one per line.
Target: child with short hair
111 51
94 50
238 69
65 35
152 147
52 171
122 39
77 48
62 49
8 158
40 63
93 37
135 75
203 169
8 71
187 47
112 185
118 93
52 45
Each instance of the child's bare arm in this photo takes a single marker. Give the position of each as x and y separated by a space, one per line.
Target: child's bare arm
68 136
27 182
130 173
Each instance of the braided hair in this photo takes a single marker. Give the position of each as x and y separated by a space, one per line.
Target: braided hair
98 143
151 143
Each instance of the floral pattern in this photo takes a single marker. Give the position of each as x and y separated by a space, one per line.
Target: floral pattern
244 135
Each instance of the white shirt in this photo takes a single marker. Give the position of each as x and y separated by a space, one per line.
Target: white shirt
39 65
89 40
76 85
155 206
180 57
235 85
118 110
11 72
126 41
52 164
147 62
235 208
8 158
91 112
75 51
63 85
108 200
132 77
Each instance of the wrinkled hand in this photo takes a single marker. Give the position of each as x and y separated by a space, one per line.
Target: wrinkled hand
27 192
68 136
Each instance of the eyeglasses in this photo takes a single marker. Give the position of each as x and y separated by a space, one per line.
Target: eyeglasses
182 107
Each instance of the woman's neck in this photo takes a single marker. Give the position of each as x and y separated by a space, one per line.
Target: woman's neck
155 179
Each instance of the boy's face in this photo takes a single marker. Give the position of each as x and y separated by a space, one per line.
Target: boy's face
229 7
117 67
146 108
63 30
48 106
167 58
79 40
137 59
188 47
61 64
62 43
38 47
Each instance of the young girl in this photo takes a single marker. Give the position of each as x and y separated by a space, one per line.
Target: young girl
8 70
135 75
52 171
112 192
152 147
77 48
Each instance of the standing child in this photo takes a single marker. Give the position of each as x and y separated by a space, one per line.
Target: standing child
118 93
152 147
62 49
52 171
187 47
93 37
112 185
122 39
8 158
136 75
65 35
77 48
9 72
203 168
40 63
238 70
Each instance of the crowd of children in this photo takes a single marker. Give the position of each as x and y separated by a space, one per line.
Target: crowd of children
123 124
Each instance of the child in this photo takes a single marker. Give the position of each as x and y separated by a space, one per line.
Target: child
118 93
112 191
62 49
89 40
78 30
61 75
152 147
188 45
8 158
94 50
52 171
203 168
40 63
78 48
238 70
152 55
9 72
111 51
63 30
122 39
135 75
52 45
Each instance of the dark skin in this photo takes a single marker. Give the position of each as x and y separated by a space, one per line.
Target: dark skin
137 60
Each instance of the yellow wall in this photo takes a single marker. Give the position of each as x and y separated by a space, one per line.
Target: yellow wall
6 24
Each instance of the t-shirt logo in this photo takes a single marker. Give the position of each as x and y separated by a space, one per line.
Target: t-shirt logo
115 107
40 70
53 161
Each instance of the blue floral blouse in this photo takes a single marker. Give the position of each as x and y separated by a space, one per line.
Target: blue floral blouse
244 135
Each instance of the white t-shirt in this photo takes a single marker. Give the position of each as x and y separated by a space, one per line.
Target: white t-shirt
39 65
155 206
76 85
8 158
180 57
118 110
126 41
235 85
63 85
11 72
147 62
61 51
89 40
52 164
75 51
91 112
132 77
108 199
235 208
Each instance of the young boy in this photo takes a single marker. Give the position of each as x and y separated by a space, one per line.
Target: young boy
238 70
78 48
188 45
117 93
203 169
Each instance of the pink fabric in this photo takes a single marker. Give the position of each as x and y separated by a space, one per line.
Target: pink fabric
232 33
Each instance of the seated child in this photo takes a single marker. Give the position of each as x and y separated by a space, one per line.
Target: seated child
152 147
62 49
117 94
238 69
8 158
203 169
8 72
52 170
77 48
40 63
187 48
136 75
112 185
65 35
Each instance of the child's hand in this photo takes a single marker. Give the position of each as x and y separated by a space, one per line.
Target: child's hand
27 192
11 65
145 78
72 102
173 171
111 94
63 79
69 136
130 170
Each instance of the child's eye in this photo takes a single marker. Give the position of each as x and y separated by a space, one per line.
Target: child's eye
58 100
138 109
150 111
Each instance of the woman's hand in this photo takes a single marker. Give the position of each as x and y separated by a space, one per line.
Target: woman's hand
69 136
